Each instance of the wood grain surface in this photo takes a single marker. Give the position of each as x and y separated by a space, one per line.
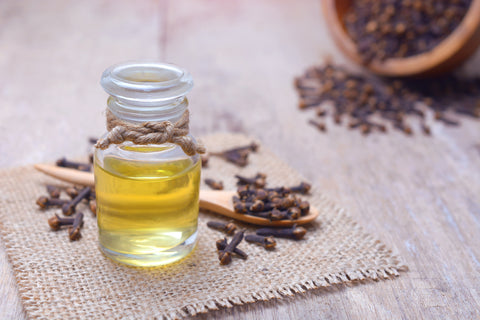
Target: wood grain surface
420 195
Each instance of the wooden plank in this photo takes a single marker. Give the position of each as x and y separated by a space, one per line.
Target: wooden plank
420 195
52 54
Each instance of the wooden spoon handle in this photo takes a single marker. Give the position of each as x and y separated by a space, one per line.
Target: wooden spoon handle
69 175
215 201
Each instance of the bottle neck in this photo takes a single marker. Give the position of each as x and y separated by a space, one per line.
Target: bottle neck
146 91
137 114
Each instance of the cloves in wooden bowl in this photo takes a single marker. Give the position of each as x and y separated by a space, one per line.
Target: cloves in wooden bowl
447 54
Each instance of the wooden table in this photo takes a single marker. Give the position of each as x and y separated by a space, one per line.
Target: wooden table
420 195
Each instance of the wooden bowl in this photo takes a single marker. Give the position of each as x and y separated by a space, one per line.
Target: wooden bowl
448 54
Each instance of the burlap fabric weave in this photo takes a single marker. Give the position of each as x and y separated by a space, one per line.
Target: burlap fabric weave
59 279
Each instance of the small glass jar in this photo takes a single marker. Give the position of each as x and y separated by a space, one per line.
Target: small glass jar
147 195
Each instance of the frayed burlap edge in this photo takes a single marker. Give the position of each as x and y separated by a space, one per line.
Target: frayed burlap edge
389 269
392 269
395 266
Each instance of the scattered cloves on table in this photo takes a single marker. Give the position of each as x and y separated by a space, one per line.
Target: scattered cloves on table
92 195
215 185
237 156
56 222
63 162
228 228
258 181
92 204
369 103
425 129
71 191
74 231
266 242
225 255
319 125
69 207
204 158
45 202
222 244
302 188
54 191
293 232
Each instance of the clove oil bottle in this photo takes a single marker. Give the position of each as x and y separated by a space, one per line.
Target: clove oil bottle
147 195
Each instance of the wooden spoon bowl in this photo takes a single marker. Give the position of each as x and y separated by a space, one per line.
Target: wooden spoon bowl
448 54
221 202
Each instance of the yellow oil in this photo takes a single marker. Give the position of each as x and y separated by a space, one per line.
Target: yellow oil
147 212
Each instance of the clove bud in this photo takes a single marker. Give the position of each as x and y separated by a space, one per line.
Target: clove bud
294 232
92 204
215 185
222 244
276 215
74 230
319 125
225 255
72 192
63 162
53 191
228 228
69 208
294 213
204 158
261 194
258 181
56 222
302 188
237 156
239 207
45 202
304 207
266 242
257 206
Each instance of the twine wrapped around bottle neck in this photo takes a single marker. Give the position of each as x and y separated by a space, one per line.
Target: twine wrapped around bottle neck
151 132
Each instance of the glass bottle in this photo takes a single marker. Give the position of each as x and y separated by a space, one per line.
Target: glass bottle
147 195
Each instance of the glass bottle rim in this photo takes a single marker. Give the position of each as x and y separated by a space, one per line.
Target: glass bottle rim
146 82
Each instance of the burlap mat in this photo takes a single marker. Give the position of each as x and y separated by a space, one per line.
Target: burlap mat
59 279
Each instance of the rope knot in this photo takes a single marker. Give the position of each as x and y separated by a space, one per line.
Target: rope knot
169 131
150 132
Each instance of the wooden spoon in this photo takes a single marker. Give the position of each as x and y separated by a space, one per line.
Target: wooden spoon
448 54
216 201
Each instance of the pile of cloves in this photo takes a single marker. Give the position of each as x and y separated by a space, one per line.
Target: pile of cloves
238 156
68 207
281 203
264 237
369 104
